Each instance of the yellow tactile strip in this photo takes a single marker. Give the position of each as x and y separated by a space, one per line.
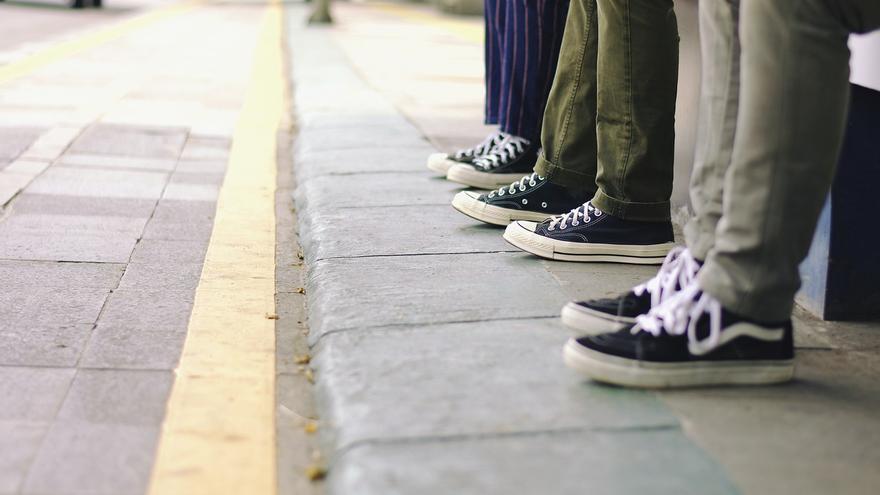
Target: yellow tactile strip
219 432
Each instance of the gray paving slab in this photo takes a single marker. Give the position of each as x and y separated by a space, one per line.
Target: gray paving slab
98 459
206 148
60 225
50 306
117 397
375 136
117 162
383 231
70 181
619 463
817 435
164 229
363 292
185 211
15 140
71 247
581 281
482 378
171 276
351 123
121 140
32 394
19 442
62 204
360 161
129 347
199 166
210 178
380 189
24 344
191 192
162 251
148 308
21 274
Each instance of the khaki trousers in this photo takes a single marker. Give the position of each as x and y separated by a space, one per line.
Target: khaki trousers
775 90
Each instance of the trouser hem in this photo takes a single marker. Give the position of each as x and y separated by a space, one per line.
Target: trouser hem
567 178
760 307
629 210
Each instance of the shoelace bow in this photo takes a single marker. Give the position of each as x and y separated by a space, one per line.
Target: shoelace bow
585 211
508 148
484 147
679 314
678 270
531 180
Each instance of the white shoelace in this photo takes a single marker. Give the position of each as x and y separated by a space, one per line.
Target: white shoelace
574 216
679 314
520 185
507 149
486 146
678 270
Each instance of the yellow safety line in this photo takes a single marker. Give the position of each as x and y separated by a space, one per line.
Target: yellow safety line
65 49
468 31
219 431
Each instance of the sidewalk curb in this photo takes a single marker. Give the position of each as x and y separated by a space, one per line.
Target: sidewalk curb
435 371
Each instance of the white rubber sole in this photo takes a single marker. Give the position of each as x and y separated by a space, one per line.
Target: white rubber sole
470 176
588 322
440 163
632 373
466 202
522 235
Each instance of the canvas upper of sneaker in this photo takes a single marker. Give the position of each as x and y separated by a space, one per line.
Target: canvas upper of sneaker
468 155
512 155
588 224
692 326
533 193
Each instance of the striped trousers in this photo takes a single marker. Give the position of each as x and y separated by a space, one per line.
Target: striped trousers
522 48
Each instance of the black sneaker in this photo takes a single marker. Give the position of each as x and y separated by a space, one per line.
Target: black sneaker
607 315
441 162
531 198
587 234
507 162
688 340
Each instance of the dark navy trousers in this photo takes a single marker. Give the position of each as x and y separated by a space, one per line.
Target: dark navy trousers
522 48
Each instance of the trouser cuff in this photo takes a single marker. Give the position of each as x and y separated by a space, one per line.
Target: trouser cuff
759 307
628 210
567 178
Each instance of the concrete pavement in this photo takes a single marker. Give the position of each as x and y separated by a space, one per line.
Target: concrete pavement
114 147
131 362
436 345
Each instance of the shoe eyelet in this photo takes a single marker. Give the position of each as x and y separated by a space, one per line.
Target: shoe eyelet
543 204
501 193
522 189
532 184
575 224
525 201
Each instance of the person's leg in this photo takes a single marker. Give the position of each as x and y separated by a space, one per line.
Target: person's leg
790 130
568 135
731 325
716 125
494 49
635 121
534 34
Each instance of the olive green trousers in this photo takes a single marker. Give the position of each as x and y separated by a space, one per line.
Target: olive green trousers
609 123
